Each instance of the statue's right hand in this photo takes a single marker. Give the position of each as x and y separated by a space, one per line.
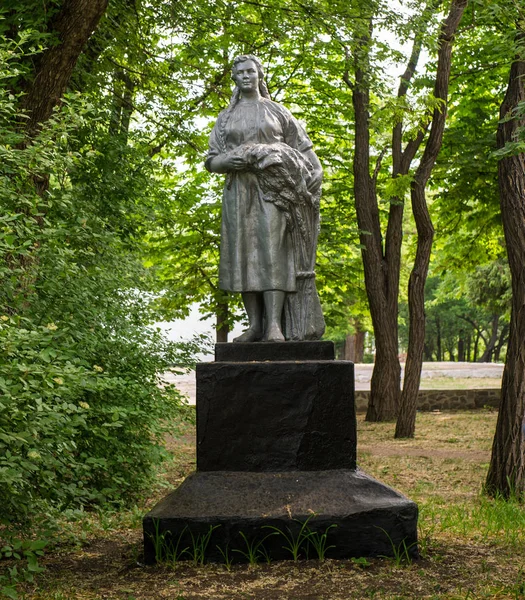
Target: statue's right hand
225 163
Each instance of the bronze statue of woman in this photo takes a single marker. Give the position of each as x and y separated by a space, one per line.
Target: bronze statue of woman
270 210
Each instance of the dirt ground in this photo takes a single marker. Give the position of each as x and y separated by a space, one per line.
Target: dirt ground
442 469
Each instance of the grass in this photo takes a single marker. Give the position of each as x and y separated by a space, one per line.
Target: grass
471 546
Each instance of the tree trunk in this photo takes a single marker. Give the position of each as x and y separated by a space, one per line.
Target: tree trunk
476 347
406 422
501 342
74 24
359 346
506 474
438 327
381 276
354 345
381 264
222 328
461 350
123 88
349 347
487 355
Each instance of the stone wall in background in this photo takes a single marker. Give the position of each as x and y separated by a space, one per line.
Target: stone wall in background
443 399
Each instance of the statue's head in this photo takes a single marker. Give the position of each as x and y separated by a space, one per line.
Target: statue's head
245 60
242 58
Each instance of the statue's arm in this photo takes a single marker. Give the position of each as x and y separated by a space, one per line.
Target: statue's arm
225 163
219 161
317 169
296 137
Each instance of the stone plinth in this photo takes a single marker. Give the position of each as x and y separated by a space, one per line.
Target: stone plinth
274 351
275 416
276 447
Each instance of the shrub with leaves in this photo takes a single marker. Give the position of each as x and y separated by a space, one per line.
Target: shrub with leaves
82 413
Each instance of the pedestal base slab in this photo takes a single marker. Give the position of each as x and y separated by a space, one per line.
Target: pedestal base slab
369 517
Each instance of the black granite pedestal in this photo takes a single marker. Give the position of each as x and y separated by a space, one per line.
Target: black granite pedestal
276 447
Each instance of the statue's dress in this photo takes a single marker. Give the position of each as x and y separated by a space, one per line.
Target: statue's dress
256 243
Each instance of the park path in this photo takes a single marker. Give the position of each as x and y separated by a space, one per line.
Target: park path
431 372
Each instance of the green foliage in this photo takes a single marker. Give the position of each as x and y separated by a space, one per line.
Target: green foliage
487 519
26 553
467 314
361 562
255 550
294 541
82 413
199 545
319 541
402 553
226 557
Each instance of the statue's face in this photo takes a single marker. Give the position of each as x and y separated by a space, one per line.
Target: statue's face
246 76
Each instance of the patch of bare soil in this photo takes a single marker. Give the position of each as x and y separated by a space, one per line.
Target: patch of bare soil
107 569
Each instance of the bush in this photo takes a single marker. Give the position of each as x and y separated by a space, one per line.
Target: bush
82 414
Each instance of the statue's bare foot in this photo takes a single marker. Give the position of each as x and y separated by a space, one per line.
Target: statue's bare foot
274 334
250 335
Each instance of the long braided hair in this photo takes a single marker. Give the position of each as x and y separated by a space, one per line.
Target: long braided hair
263 90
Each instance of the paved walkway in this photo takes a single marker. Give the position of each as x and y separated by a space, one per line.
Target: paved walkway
186 383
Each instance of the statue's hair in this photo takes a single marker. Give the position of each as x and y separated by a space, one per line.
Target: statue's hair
263 90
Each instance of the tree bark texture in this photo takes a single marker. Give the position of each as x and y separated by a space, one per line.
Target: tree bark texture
506 474
73 25
406 423
461 350
382 256
354 347
382 297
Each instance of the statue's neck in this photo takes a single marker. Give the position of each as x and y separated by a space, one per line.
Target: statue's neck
252 96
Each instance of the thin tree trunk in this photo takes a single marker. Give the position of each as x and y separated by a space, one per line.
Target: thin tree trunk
406 422
349 347
487 355
476 347
354 345
359 346
381 290
461 350
501 342
506 474
381 264
438 327
222 328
